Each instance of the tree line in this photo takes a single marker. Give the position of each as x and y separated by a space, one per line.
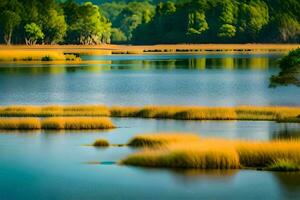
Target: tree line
149 21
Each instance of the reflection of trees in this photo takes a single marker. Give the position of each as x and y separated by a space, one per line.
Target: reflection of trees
286 134
290 181
289 70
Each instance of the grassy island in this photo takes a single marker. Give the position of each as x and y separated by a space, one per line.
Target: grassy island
213 153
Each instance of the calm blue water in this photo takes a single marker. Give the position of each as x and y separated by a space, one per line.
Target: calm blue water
212 79
57 165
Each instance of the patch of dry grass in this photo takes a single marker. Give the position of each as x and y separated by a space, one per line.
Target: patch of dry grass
77 123
273 113
20 123
160 139
216 154
176 112
199 155
101 143
262 154
266 112
53 110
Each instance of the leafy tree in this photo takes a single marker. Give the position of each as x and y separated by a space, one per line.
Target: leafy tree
10 20
289 28
33 33
253 17
197 23
117 36
227 20
290 70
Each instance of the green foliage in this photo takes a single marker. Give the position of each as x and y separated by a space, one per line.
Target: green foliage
117 36
86 24
33 33
150 21
284 165
290 70
197 23
10 20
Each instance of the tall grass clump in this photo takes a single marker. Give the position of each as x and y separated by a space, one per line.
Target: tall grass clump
186 156
284 165
262 154
77 123
53 110
160 139
20 123
266 112
31 55
212 153
176 112
101 143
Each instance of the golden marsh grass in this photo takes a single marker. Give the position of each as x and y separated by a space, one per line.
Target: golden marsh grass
160 139
262 154
271 113
176 112
31 55
56 123
213 153
101 143
53 110
77 123
20 123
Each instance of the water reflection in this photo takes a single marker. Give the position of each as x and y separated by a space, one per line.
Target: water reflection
257 62
290 181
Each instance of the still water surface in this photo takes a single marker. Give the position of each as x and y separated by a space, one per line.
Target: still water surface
57 165
209 79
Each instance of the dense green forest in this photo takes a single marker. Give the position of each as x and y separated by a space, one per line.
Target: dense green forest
149 21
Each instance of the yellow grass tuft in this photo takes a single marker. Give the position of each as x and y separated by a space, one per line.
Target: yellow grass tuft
217 154
101 143
53 110
266 112
273 113
161 139
176 112
31 55
210 113
20 123
187 155
77 123
262 154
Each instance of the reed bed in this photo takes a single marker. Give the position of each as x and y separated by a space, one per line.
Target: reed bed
267 113
262 154
20 123
56 123
53 110
77 123
193 155
101 143
31 55
151 140
176 112
271 113
212 153
210 113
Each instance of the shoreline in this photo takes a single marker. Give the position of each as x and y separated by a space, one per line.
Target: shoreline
161 48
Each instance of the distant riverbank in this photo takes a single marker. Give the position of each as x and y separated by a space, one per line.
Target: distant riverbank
160 48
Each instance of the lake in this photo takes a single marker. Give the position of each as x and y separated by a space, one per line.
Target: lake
59 165
200 79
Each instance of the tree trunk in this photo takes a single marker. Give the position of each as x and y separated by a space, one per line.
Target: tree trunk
7 37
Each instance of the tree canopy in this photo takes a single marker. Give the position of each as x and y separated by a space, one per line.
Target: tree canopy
149 21
289 70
